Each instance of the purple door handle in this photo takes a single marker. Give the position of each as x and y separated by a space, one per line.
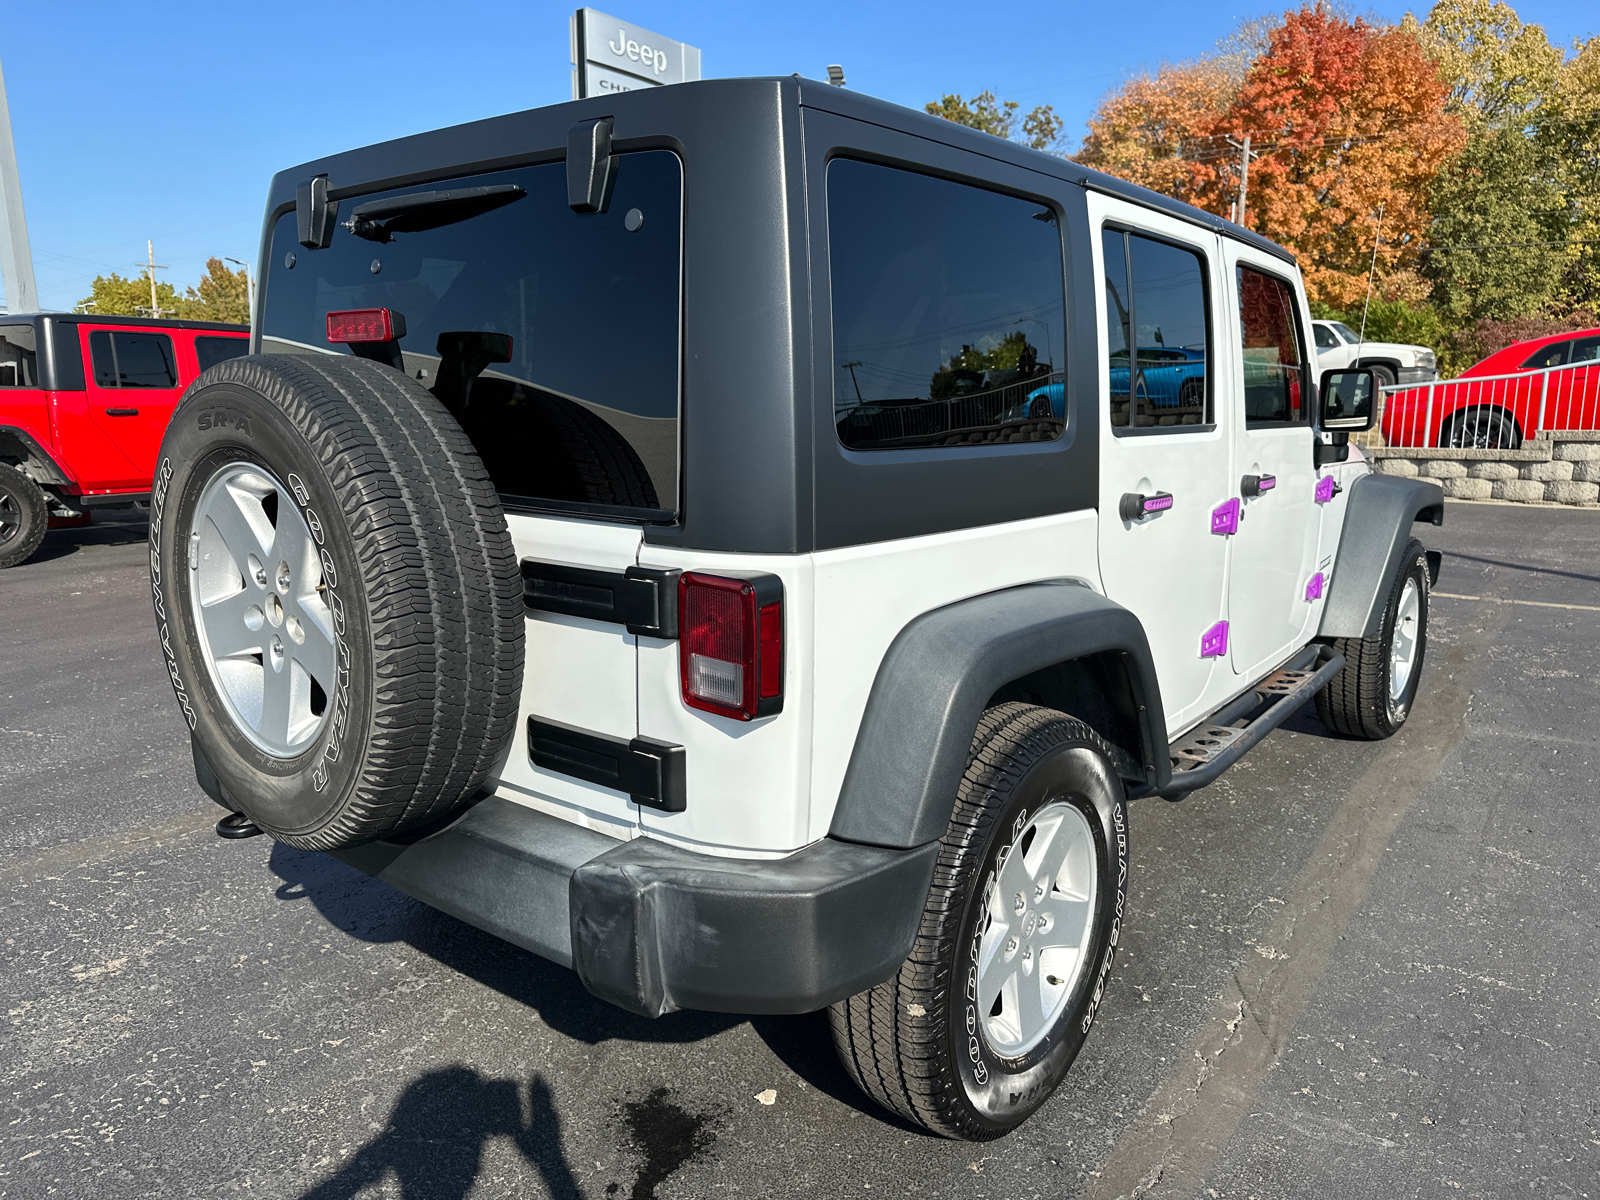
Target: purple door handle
1255 486
1136 507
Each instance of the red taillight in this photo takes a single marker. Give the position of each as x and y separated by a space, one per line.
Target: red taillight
364 325
730 644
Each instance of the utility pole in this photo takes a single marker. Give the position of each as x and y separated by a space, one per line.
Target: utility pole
851 367
1244 177
151 268
16 258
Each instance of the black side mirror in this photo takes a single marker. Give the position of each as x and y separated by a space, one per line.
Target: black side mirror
1347 400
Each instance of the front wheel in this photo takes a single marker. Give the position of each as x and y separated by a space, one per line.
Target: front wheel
1484 427
979 1026
1372 696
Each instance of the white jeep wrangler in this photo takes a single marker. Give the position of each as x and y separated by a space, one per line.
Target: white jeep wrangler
747 542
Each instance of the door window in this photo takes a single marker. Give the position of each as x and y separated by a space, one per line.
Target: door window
1325 338
1586 350
948 312
209 351
1548 356
1270 348
132 360
1156 305
16 357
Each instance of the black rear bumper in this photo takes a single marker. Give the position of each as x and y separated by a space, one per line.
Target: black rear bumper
654 928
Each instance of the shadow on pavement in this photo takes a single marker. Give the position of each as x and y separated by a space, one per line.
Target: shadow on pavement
433 1143
374 912
121 530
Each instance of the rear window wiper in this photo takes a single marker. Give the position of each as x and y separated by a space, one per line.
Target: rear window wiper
380 220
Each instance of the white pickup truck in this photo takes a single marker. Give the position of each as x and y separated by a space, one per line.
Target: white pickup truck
1339 347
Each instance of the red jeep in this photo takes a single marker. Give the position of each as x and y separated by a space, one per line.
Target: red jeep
84 402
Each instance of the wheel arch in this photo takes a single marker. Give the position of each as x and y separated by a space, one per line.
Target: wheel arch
32 459
1379 513
1060 641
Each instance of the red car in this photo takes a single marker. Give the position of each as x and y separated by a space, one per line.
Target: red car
1544 383
84 402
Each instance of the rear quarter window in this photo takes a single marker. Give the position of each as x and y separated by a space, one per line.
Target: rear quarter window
948 312
209 351
585 413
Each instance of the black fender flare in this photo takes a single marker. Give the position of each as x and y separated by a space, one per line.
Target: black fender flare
936 679
40 465
1378 516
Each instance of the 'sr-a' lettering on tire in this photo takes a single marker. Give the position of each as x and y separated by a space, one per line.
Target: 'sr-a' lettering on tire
990 1009
336 596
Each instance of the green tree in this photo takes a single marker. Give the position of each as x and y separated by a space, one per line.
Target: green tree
222 295
113 296
1492 203
1040 128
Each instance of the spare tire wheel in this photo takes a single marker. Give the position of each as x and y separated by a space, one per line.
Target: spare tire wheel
336 595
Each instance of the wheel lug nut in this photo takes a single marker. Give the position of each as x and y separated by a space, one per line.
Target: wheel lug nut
1011 946
1019 903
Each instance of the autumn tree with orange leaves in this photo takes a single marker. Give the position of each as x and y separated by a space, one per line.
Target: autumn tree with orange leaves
1348 120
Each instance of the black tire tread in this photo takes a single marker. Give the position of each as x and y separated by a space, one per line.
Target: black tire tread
441 580
37 516
890 1053
1355 701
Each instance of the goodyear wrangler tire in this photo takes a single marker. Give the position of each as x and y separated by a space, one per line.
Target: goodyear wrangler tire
1373 694
337 598
983 1020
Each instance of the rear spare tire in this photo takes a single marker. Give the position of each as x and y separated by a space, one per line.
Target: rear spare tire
337 598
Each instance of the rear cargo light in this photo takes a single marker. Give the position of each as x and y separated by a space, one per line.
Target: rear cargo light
730 644
365 325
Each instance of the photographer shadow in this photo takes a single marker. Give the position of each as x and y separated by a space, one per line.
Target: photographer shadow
434 1141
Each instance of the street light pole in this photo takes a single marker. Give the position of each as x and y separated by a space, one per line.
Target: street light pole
249 283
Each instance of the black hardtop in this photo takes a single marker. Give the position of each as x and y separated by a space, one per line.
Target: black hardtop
117 319
491 143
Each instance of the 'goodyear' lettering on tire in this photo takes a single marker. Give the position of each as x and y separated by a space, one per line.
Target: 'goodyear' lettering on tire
339 724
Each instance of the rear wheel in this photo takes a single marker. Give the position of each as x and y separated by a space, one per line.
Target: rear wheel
337 596
979 1026
1372 696
1383 376
1483 427
24 516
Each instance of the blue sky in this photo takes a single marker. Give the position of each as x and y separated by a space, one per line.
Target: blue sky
166 120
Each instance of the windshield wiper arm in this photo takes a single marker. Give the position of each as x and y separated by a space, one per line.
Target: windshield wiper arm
380 220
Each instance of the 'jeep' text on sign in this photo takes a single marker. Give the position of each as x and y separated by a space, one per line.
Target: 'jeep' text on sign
611 55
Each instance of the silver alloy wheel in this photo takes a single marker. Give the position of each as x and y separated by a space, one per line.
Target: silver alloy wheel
1034 942
258 603
10 517
1403 645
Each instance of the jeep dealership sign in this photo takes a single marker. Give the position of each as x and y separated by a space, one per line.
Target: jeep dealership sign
609 55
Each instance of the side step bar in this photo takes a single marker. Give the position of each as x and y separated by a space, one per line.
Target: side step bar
1209 749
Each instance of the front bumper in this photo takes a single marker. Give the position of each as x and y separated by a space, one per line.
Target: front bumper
654 928
1418 374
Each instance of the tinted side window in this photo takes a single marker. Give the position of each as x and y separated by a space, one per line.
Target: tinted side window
212 350
1156 304
132 360
1548 356
1325 338
948 312
553 336
1586 350
1270 349
105 365
17 357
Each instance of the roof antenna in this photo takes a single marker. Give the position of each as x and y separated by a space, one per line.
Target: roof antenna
836 74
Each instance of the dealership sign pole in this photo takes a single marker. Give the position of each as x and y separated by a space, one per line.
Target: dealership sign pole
611 55
16 258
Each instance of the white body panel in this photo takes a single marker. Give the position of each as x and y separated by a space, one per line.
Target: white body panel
579 672
1275 552
1169 568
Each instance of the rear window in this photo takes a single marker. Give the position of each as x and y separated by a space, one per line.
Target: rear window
948 313
17 357
585 413
209 351
132 360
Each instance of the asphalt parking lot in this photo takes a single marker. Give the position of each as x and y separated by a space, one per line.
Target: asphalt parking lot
1351 969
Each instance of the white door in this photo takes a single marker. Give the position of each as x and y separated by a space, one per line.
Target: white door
1167 438
1274 594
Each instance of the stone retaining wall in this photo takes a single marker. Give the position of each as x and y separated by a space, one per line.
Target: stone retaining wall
1552 468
